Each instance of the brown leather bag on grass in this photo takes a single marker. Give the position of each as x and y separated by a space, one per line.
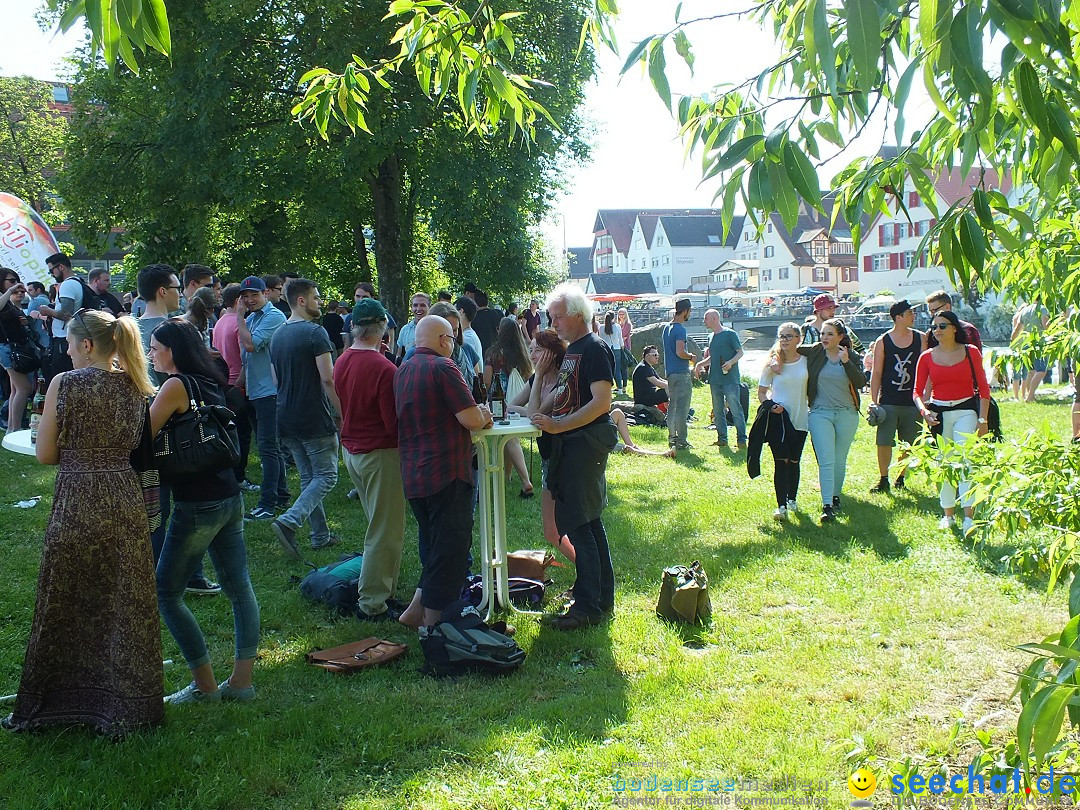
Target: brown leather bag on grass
368 652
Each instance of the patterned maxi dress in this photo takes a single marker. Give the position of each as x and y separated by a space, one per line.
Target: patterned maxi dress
94 654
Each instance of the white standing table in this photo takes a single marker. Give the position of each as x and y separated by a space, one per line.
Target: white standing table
490 444
19 442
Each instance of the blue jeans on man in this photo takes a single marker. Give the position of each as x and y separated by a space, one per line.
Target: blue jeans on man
274 492
198 527
317 462
725 396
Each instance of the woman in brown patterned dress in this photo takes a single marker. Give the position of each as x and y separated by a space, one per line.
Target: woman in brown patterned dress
94 654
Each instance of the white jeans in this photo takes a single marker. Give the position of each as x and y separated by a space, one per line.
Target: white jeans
954 424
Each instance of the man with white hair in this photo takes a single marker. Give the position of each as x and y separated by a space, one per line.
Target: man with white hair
578 436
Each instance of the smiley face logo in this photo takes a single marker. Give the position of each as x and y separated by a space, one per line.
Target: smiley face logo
862 783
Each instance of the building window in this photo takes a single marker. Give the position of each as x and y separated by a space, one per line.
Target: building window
820 250
60 94
821 274
913 199
886 235
713 239
659 240
909 260
667 260
881 262
904 230
784 273
770 251
768 227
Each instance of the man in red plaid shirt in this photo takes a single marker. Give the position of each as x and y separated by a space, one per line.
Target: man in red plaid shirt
436 413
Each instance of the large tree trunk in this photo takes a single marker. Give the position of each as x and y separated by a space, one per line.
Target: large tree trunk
360 243
386 188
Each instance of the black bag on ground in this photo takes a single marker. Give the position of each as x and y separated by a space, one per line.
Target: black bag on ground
523 592
201 439
335 585
744 400
463 643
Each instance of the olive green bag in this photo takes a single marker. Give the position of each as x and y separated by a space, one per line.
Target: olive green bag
684 595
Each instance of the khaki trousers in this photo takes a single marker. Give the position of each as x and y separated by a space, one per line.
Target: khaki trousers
377 478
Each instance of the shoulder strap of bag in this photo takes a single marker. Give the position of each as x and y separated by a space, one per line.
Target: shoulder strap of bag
974 379
187 381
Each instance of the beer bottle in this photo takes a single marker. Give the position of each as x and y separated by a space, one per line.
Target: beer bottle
38 408
497 398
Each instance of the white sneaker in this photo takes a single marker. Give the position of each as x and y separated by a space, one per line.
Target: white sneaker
780 515
792 507
968 525
946 522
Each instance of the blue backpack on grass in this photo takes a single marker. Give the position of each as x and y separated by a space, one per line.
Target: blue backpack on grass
335 585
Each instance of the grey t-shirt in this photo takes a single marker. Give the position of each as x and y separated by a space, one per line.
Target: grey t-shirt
146 328
833 388
303 409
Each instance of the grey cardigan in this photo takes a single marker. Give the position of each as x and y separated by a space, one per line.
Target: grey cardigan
815 362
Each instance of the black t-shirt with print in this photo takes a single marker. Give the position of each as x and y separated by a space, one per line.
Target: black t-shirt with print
588 360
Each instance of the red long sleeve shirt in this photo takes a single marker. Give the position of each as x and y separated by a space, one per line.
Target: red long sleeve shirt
952 382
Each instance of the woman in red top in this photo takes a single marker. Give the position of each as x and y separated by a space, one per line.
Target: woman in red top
953 396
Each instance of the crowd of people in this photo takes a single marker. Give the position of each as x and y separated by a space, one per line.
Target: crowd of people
307 381
401 406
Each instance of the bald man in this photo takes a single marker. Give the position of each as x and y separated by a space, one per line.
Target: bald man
436 413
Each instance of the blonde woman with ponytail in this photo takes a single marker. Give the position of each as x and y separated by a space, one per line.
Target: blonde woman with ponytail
94 654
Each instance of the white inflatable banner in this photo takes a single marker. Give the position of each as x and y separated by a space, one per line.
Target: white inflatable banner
25 240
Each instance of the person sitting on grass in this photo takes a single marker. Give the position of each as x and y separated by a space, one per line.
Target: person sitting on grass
650 389
627 445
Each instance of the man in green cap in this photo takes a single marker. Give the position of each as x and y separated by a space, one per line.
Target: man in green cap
364 380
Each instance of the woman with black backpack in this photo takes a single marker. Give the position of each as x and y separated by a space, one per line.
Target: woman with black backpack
208 516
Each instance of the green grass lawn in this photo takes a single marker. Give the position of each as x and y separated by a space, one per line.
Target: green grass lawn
879 627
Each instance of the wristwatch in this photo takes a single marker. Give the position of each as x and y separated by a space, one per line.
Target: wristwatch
982 421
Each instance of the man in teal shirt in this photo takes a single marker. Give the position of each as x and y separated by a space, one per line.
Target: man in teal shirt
722 362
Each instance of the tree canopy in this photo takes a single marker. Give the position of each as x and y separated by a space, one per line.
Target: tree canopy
30 139
209 164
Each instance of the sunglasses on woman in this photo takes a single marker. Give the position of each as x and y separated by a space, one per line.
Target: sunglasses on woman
941 327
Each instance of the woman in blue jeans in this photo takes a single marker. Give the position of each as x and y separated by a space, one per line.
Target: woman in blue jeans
208 516
834 378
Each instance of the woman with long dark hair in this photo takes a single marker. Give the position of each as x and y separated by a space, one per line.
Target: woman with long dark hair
207 516
834 378
546 351
94 653
508 354
612 335
953 396
13 331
